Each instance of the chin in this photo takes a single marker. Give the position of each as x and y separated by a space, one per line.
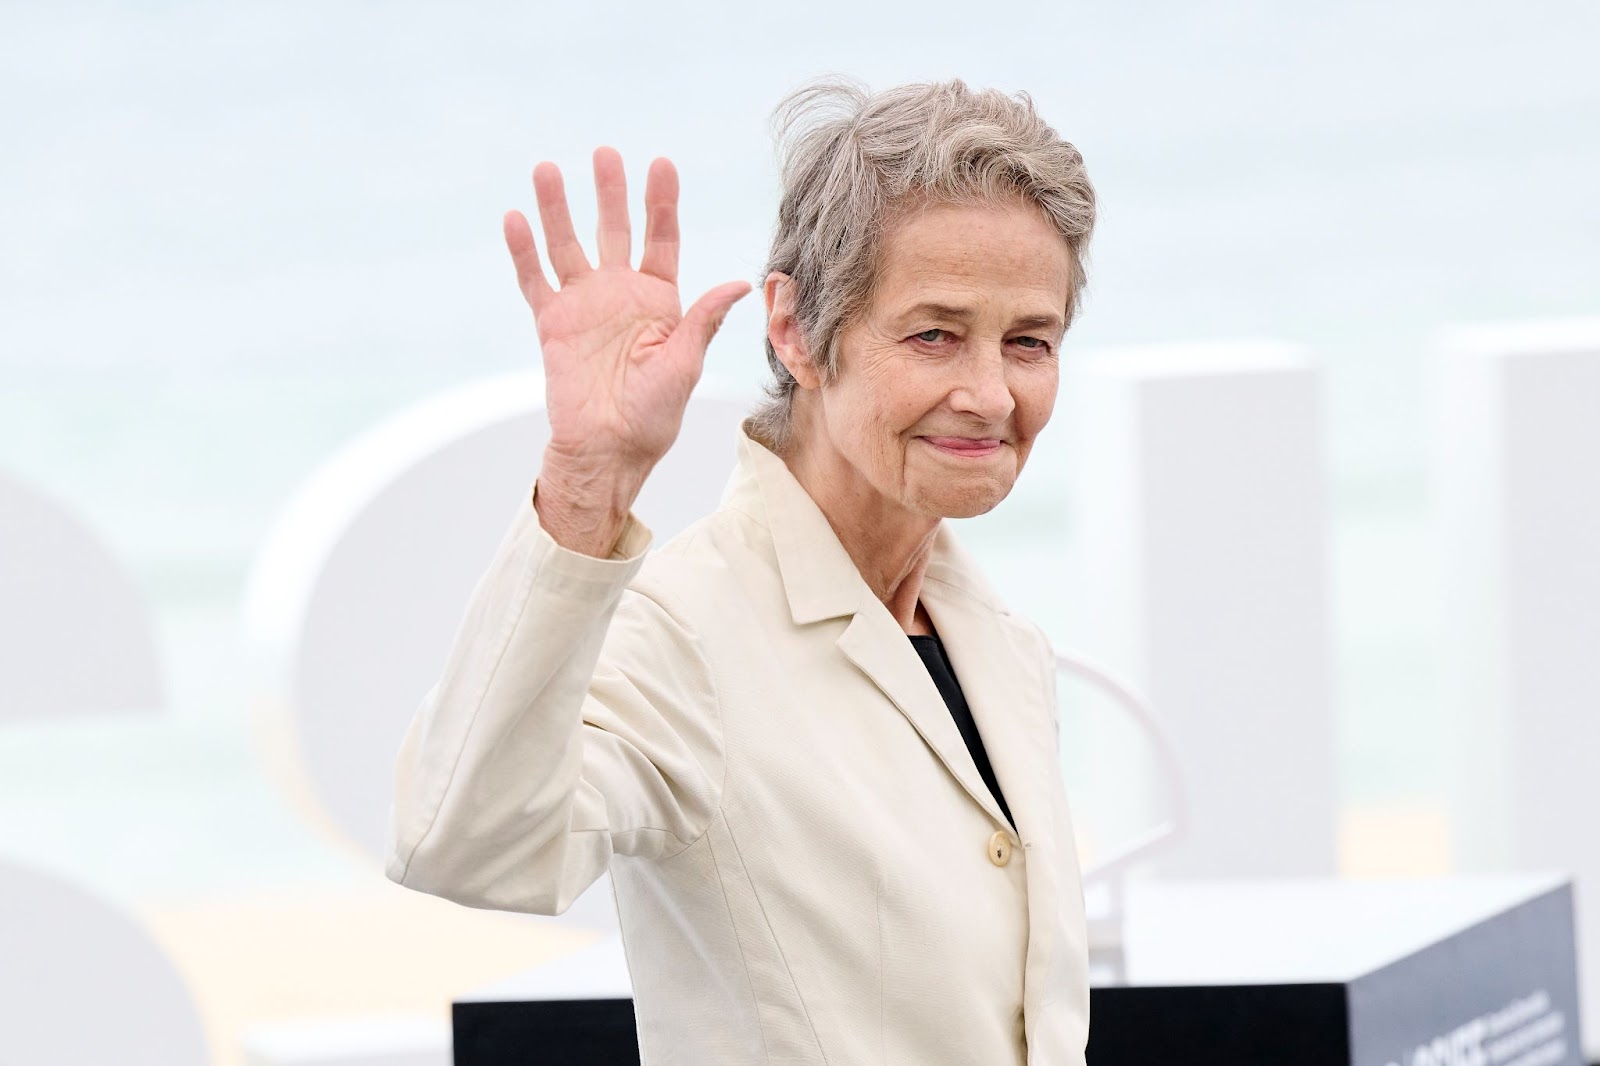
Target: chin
952 502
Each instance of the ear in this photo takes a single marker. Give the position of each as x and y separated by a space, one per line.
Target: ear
783 331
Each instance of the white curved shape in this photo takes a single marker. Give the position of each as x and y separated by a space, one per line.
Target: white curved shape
1104 884
357 593
81 982
1167 833
281 586
76 629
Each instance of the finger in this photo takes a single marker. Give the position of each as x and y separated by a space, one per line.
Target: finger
561 244
661 222
525 255
611 196
703 320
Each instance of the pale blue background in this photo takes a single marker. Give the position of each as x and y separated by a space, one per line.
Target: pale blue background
233 236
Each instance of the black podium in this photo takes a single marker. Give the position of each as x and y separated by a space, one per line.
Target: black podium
1458 971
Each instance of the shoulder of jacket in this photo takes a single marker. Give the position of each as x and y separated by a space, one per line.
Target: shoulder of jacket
1046 653
1046 648
690 574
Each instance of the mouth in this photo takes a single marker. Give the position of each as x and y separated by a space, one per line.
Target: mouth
966 447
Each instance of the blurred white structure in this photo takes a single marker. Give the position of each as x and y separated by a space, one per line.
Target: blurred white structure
378 1041
1200 493
76 629
1516 479
1105 881
82 982
596 971
359 589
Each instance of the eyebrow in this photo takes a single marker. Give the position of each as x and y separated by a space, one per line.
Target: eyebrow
961 314
1051 322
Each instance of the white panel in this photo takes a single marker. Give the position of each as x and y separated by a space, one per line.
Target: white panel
380 1041
1199 489
1516 479
1293 929
597 971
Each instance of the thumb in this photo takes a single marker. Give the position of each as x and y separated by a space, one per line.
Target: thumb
703 320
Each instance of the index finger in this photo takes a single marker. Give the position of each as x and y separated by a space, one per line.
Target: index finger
525 255
661 222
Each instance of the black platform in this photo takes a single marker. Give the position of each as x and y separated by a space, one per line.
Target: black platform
1464 971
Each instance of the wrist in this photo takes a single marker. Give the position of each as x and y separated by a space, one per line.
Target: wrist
584 507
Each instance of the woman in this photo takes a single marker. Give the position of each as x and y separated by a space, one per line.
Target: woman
816 753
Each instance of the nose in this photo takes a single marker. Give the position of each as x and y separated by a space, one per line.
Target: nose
984 391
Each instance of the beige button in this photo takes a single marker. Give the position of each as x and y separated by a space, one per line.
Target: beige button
1000 848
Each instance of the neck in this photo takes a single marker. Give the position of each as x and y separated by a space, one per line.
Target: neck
890 545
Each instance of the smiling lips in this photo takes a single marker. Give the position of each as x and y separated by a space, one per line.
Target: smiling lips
972 447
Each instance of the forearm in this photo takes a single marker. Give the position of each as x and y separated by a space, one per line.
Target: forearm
488 778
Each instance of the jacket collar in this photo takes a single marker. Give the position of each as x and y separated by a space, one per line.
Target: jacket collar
819 577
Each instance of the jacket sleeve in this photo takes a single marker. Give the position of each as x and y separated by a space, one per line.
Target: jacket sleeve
575 719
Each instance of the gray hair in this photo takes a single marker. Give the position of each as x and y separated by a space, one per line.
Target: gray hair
851 161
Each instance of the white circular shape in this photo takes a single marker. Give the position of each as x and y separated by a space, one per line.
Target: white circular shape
77 630
81 982
358 592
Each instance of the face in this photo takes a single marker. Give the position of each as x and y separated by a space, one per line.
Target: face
948 376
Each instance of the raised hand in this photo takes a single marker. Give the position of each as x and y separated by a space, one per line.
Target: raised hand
620 355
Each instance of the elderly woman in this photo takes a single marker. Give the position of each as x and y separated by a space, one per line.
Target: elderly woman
816 752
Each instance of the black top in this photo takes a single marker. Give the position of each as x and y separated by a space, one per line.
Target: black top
931 648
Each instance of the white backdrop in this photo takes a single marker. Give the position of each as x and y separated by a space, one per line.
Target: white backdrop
232 238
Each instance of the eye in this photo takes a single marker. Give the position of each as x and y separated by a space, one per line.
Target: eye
930 336
1032 344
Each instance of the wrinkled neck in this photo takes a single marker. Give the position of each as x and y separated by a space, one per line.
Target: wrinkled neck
889 544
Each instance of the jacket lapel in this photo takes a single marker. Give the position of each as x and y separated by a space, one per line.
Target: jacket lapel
877 645
1009 698
1000 677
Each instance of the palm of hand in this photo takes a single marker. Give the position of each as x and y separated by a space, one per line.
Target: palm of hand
621 358
613 369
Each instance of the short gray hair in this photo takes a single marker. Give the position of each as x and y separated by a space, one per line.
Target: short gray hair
851 159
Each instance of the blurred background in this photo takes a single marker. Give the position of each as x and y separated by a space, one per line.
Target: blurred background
233 238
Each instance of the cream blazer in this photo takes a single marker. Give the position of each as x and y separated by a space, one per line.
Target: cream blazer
807 867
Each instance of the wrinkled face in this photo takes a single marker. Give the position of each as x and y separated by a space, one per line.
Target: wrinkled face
950 372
